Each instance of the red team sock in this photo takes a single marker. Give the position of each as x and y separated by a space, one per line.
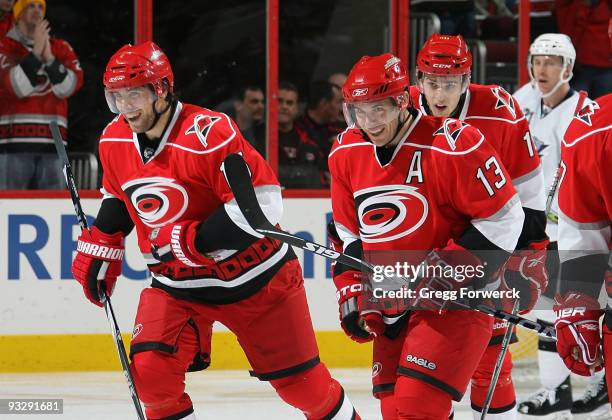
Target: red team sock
160 385
316 394
388 408
417 400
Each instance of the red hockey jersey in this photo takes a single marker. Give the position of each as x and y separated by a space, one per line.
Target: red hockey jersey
585 191
25 108
496 114
184 180
442 177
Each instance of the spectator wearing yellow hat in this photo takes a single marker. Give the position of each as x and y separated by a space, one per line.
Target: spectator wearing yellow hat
6 16
39 73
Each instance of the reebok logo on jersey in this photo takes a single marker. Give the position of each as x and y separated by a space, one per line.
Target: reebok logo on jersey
201 127
421 362
100 251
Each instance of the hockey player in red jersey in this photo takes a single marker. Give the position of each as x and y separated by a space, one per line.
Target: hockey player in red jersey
585 217
405 181
444 90
163 175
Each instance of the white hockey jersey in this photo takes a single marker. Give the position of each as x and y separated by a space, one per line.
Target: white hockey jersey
547 128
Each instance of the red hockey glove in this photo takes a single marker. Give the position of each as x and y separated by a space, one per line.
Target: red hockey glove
577 327
360 325
98 262
459 268
525 271
174 245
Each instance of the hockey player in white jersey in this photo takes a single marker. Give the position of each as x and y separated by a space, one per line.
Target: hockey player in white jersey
549 105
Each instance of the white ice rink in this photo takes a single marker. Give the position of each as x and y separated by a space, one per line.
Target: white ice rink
227 395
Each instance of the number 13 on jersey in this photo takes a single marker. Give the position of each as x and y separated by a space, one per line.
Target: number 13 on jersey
491 167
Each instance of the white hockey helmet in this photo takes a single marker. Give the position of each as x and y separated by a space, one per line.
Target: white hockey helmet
556 45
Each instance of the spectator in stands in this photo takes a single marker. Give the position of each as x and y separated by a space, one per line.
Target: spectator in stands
38 74
318 124
249 107
298 158
586 23
457 17
338 79
6 16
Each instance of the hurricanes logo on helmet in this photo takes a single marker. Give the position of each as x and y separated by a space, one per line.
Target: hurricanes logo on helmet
158 201
389 212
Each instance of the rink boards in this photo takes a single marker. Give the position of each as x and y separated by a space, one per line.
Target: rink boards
46 324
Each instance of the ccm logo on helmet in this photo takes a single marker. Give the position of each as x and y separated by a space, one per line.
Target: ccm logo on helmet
116 78
421 362
359 92
443 66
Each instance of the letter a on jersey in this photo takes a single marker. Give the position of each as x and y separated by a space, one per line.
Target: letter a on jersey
201 127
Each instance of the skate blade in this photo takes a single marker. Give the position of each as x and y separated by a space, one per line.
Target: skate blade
601 413
559 415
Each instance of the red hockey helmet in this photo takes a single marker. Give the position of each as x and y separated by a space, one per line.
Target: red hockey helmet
137 65
375 78
444 55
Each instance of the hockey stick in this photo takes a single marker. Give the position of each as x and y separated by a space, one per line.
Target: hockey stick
110 314
498 364
582 96
239 180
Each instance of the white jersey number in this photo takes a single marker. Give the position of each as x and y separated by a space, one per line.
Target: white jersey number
501 179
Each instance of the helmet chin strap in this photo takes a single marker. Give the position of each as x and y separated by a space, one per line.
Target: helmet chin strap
400 125
157 114
561 81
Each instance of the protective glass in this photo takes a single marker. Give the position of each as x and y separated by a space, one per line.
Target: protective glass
127 100
371 115
447 85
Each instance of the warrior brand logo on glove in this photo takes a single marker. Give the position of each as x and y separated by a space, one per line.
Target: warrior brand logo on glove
100 251
175 243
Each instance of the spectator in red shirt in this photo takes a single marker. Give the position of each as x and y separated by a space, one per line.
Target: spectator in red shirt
318 125
39 73
298 157
586 23
6 16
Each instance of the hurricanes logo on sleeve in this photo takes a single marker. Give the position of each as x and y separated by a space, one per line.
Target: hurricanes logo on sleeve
158 201
587 112
504 100
451 129
389 212
201 127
